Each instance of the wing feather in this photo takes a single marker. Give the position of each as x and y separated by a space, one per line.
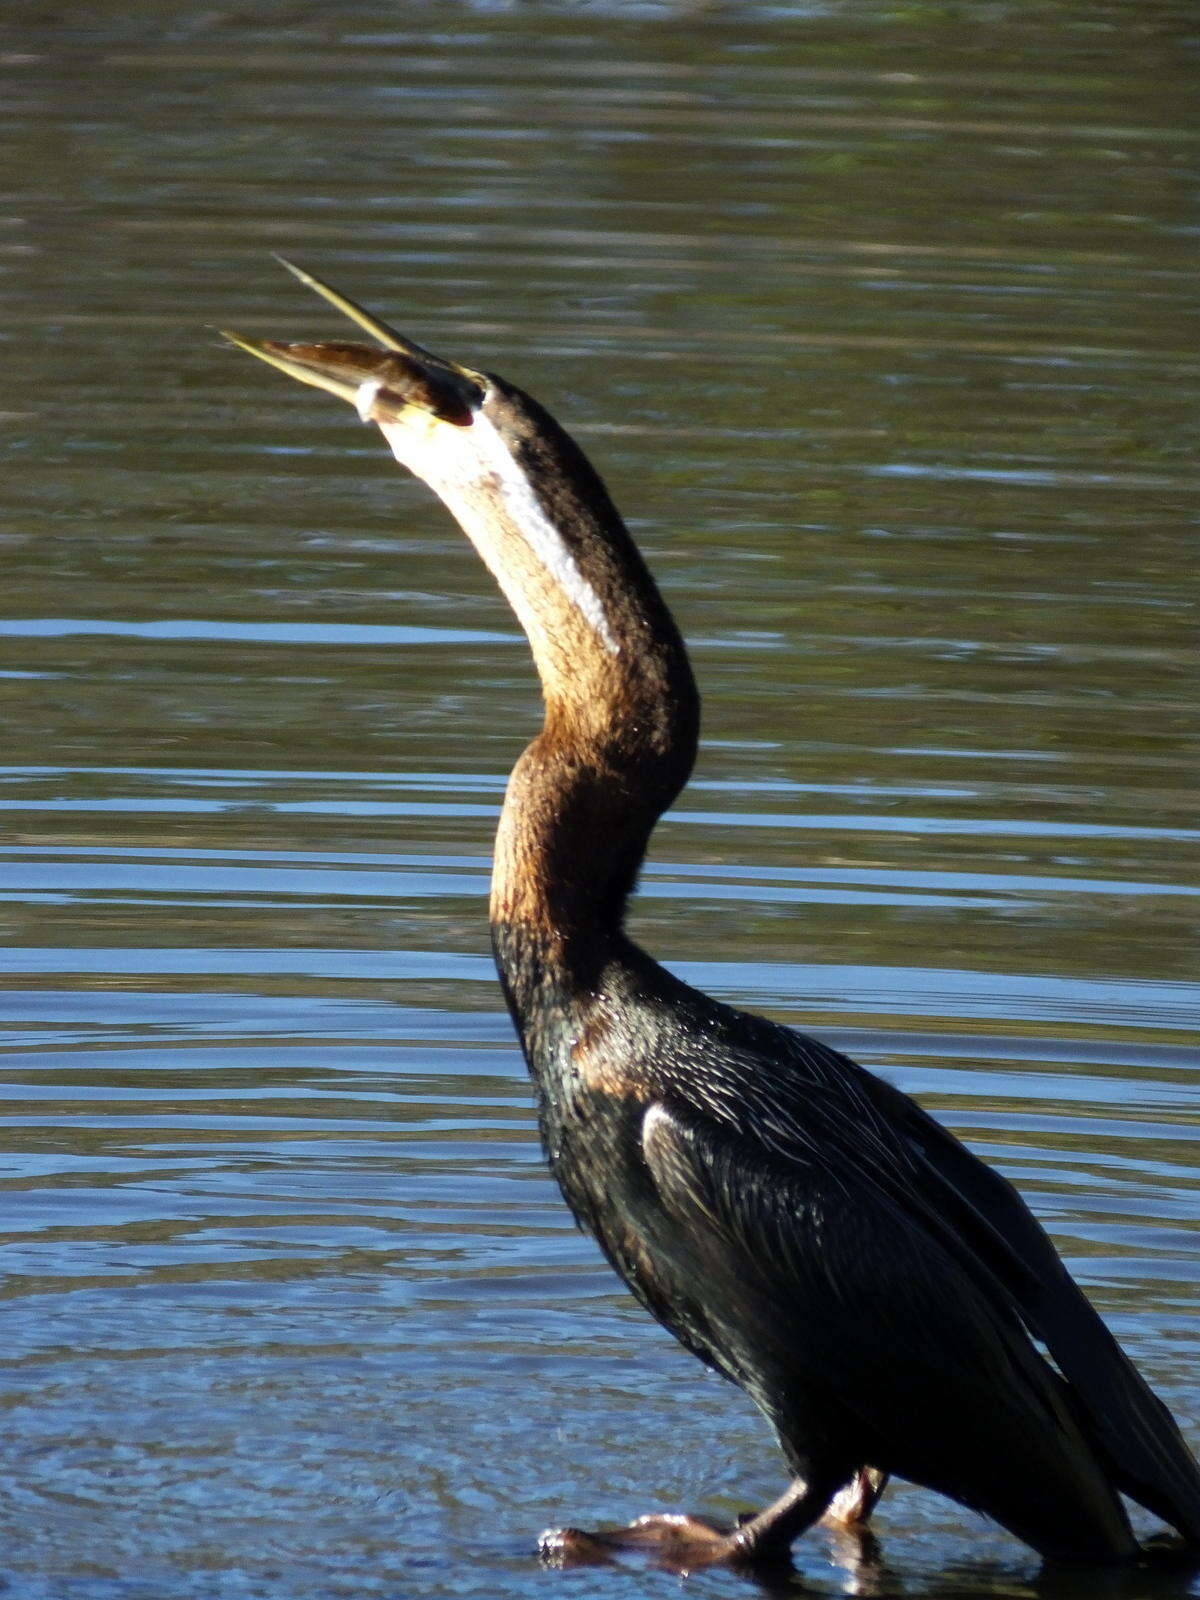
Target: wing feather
830 1280
1136 1432
826 1111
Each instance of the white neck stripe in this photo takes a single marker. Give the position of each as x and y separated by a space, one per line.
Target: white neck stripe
547 543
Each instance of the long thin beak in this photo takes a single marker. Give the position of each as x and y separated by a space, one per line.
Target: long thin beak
380 384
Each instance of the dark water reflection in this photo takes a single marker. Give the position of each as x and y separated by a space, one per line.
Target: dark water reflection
873 317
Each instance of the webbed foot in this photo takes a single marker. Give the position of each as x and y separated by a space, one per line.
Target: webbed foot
675 1541
683 1544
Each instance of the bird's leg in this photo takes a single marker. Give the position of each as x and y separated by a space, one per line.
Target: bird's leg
683 1543
855 1501
852 1543
770 1535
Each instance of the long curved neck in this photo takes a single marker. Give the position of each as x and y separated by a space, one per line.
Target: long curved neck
585 795
622 712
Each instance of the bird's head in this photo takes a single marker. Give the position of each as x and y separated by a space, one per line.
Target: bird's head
419 400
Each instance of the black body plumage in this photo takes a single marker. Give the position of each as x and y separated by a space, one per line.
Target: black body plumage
808 1231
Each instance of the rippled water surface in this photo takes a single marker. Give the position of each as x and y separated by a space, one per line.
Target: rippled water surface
874 317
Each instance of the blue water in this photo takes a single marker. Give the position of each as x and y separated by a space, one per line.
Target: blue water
873 318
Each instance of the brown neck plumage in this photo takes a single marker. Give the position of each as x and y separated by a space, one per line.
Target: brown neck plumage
622 711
